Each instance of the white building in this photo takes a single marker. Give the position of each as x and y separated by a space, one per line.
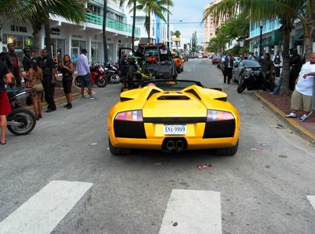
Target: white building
70 38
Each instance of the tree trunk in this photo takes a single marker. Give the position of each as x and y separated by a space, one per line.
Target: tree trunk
104 34
47 38
286 63
148 26
133 24
36 46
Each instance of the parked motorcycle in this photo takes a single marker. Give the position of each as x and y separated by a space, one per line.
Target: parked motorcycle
20 121
113 73
97 73
253 80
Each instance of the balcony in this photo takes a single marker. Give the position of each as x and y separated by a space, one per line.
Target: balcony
110 23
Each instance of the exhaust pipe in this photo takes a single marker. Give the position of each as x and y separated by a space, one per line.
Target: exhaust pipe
179 145
170 145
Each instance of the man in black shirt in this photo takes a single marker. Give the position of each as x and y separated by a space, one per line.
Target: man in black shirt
13 64
48 66
296 63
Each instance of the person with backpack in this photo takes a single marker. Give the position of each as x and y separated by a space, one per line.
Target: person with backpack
277 63
48 66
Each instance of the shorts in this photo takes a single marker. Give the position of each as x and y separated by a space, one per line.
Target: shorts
5 104
301 102
86 81
67 85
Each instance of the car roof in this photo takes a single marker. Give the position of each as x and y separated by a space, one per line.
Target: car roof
250 63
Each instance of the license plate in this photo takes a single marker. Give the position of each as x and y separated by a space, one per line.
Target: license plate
175 129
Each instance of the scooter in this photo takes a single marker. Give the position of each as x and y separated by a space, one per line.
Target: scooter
113 73
253 80
97 73
20 121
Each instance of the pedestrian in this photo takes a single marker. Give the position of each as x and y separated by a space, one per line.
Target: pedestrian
276 90
27 60
84 74
295 67
276 63
35 76
13 64
27 64
124 68
266 70
5 78
228 67
46 63
301 99
67 69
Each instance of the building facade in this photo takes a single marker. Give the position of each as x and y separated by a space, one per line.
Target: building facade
69 38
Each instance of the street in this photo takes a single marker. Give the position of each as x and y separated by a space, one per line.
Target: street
61 178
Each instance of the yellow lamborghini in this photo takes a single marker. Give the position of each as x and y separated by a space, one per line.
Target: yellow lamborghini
173 116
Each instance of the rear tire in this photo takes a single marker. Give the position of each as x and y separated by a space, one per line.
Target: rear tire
118 151
242 86
228 151
101 82
77 81
25 118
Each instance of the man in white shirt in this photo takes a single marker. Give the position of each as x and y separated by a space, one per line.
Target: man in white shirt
302 95
84 73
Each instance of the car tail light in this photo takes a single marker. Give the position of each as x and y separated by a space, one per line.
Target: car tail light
135 116
216 115
247 69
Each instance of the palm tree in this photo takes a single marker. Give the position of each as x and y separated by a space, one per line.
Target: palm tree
285 10
157 7
134 9
104 33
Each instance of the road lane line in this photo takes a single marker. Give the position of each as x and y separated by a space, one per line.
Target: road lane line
192 211
42 212
312 200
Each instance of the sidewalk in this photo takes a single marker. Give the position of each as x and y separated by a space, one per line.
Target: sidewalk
281 106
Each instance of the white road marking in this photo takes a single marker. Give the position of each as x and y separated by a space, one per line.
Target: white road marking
312 200
42 212
192 211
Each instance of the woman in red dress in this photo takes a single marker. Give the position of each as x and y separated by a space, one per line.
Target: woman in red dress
5 107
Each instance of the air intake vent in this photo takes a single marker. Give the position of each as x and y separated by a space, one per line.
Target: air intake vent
173 97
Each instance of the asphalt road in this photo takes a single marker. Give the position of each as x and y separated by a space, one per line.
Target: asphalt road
62 178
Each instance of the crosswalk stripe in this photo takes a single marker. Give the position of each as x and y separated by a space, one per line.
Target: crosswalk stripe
42 212
192 211
312 200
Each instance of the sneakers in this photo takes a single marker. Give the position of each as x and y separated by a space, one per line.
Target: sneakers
82 97
92 97
303 117
291 115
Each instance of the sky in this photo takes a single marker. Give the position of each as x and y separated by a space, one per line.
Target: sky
186 17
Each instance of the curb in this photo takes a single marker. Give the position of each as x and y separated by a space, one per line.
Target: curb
304 133
59 100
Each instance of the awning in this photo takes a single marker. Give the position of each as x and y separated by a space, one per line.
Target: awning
256 44
298 36
267 42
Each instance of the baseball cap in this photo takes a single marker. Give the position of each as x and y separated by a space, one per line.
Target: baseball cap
83 51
